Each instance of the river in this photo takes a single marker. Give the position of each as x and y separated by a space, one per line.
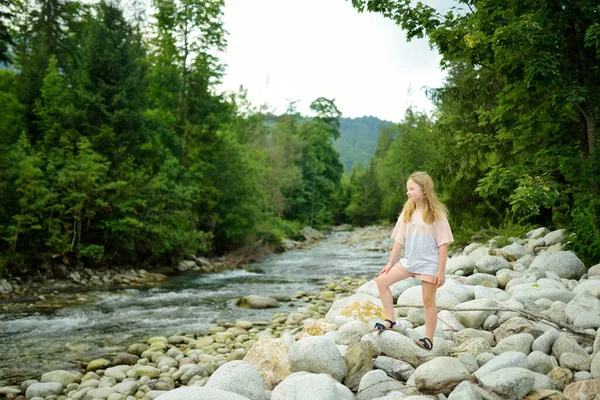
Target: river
34 341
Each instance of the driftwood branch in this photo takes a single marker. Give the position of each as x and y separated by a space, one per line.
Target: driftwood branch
340 284
527 313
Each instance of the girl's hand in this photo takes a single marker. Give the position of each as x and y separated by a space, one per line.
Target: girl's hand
386 269
440 279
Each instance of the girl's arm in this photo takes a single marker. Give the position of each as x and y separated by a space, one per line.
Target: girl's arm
395 253
443 257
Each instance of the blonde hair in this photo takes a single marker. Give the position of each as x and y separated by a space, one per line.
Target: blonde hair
433 209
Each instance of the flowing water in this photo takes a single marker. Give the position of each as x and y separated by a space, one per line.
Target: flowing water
34 342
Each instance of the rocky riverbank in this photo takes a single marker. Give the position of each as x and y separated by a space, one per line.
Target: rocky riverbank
51 281
517 322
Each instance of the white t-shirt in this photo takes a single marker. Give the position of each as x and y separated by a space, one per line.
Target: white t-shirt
421 242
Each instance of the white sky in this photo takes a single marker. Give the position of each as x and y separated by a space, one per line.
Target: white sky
312 48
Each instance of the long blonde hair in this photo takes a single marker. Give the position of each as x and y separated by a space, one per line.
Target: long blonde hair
433 209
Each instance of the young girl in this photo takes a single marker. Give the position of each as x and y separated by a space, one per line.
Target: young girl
423 229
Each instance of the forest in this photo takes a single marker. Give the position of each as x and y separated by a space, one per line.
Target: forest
118 149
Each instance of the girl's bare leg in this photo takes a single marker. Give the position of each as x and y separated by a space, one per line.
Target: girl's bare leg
429 290
384 281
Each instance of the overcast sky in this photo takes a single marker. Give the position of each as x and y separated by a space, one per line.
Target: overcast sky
284 50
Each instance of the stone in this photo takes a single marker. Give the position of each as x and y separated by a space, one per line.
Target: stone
465 391
595 366
461 292
500 362
460 263
475 319
512 381
589 389
491 264
584 310
127 388
414 297
185 265
317 327
545 341
63 377
487 280
541 362
308 386
361 307
351 333
43 389
253 301
514 326
125 359
575 362
400 347
529 293
561 377
375 384
358 359
516 251
566 344
482 292
565 264
554 237
198 393
519 342
397 288
440 375
474 346
395 369
448 322
470 333
238 377
270 358
592 286
100 363
317 355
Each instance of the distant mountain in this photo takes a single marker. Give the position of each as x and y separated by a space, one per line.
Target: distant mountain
358 140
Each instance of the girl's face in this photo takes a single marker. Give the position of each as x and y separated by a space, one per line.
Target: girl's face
414 192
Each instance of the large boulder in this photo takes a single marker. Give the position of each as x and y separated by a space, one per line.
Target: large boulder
376 384
44 389
491 264
400 347
238 377
270 358
475 319
307 386
359 360
361 307
462 263
502 361
63 377
440 375
589 389
351 332
318 355
584 310
395 369
510 381
563 263
199 393
414 297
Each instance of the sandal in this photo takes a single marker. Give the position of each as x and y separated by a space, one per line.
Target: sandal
379 327
425 343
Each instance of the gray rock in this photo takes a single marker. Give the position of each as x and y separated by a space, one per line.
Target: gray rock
582 376
475 319
395 369
491 264
359 360
377 384
516 251
61 376
185 265
528 294
101 392
554 237
500 362
461 292
471 248
565 264
541 362
397 288
469 333
5 287
127 388
238 377
199 393
318 355
482 279
460 263
482 292
566 344
557 312
592 286
512 381
44 389
465 391
537 233
595 366
543 382
307 386
257 302
575 362
413 296
440 375
400 347
351 332
544 342
584 311
474 346
469 361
